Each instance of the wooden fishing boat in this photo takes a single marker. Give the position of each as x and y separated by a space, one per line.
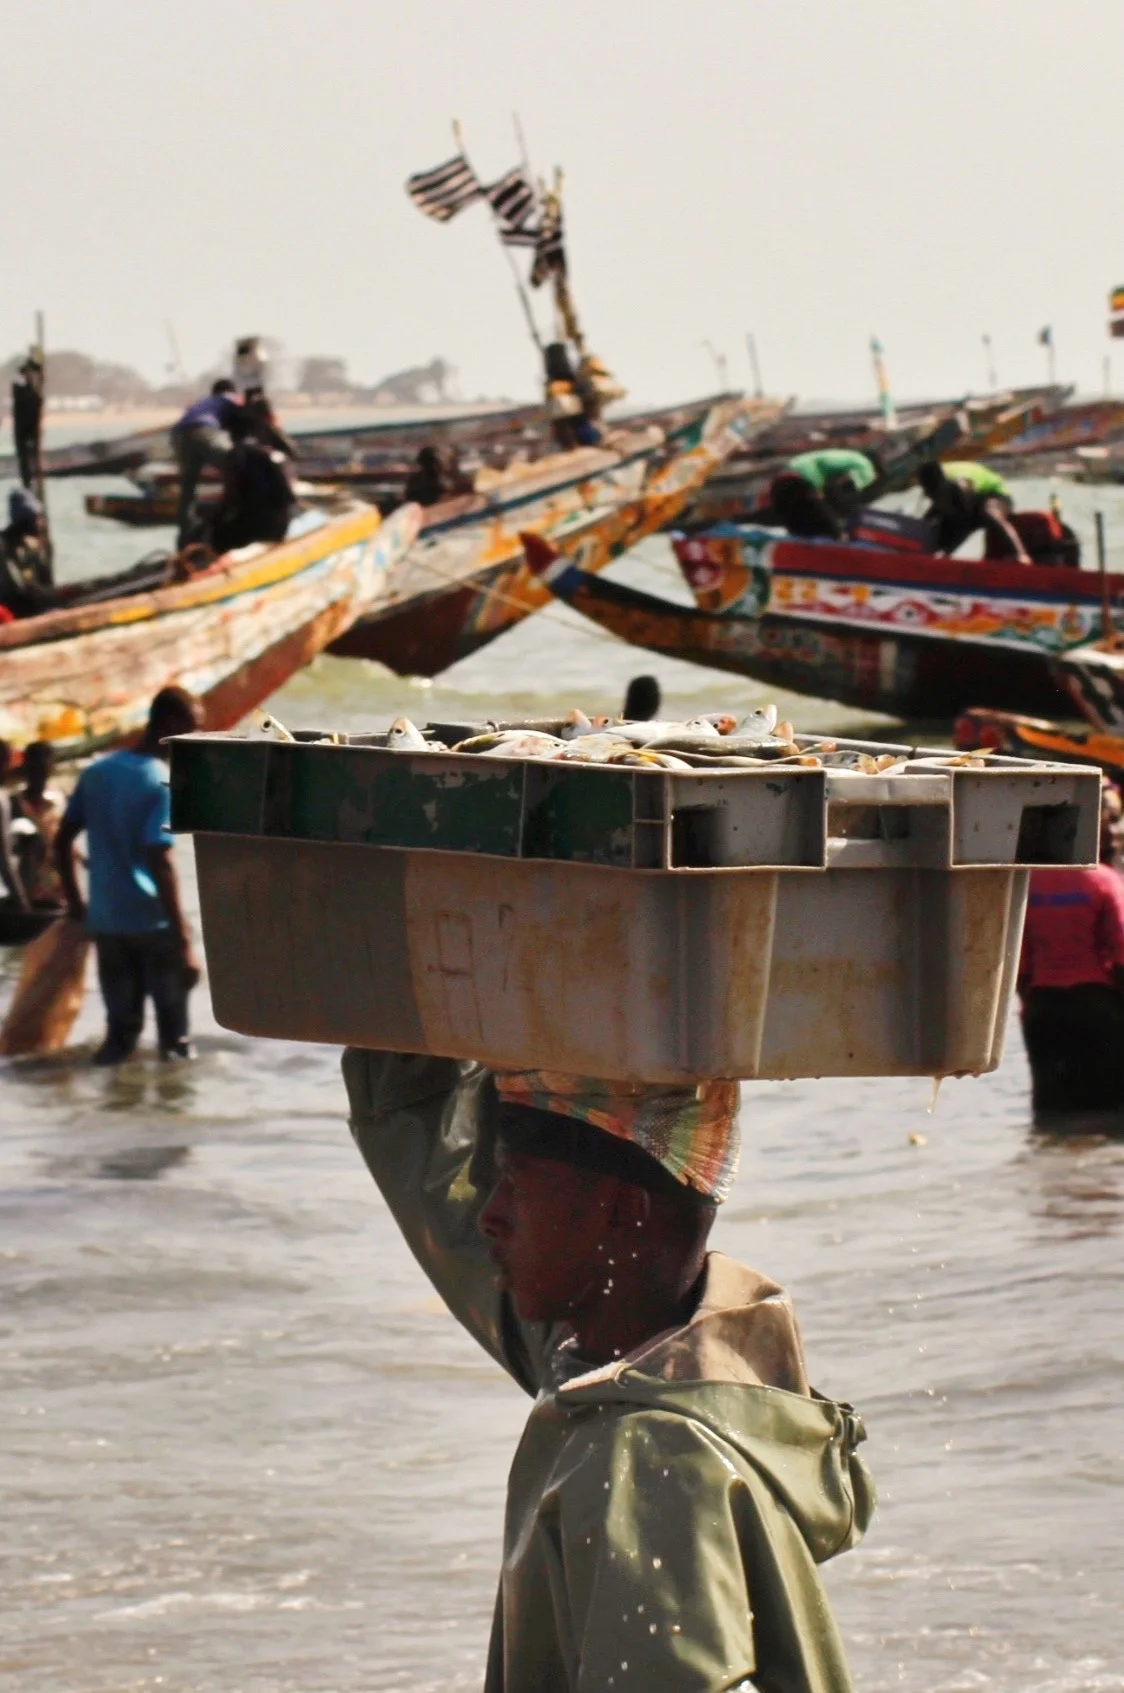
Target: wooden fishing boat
982 730
466 580
974 428
909 634
82 676
338 443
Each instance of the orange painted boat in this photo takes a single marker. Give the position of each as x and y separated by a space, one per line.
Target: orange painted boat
82 676
466 580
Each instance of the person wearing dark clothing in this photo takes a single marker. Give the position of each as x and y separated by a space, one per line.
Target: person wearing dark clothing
134 912
260 420
1071 980
258 497
203 438
425 484
966 497
25 577
27 416
642 700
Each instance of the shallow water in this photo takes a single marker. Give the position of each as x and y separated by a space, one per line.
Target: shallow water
245 1451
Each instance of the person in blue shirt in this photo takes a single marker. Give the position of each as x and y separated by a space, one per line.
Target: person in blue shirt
133 908
204 436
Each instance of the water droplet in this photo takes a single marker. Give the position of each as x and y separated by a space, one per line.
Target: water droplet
932 1106
652 1628
657 1563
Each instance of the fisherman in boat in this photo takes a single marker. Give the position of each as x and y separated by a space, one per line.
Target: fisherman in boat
818 493
10 877
425 485
964 497
677 1482
203 439
37 811
261 421
1071 978
258 498
134 911
25 585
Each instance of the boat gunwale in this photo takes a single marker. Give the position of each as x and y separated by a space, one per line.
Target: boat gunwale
275 564
889 567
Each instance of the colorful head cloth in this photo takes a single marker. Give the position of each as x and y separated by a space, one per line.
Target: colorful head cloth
692 1131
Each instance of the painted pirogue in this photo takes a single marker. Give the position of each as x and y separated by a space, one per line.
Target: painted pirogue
910 634
465 581
82 676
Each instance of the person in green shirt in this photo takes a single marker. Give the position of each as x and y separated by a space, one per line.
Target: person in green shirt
678 1481
965 496
818 493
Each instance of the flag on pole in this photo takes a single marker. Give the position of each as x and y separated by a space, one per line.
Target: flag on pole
1116 313
445 191
550 253
515 203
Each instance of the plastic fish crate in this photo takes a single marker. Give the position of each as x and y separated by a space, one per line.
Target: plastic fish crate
778 921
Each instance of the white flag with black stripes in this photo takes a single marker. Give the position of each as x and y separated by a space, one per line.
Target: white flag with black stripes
445 191
515 203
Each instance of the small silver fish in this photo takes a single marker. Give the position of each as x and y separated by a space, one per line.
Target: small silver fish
404 736
512 743
759 725
577 723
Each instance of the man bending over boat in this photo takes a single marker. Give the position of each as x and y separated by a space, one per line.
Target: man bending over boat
818 493
203 438
677 1482
964 497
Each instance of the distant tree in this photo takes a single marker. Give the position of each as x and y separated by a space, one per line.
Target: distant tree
71 374
324 375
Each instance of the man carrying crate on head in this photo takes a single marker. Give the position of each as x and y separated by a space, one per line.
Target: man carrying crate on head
678 1481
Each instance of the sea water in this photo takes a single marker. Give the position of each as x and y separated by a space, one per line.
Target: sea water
245 1450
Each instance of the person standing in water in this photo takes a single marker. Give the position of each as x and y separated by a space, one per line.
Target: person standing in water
41 807
677 1482
1071 978
134 912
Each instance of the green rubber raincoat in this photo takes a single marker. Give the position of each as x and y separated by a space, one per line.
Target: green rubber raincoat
665 1512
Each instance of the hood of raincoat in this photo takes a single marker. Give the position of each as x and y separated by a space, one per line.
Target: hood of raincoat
737 1368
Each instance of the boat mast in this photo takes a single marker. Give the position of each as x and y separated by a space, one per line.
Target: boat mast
524 298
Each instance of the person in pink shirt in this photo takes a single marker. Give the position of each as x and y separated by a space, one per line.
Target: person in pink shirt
1071 979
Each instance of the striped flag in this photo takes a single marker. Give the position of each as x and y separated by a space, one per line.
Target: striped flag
444 192
550 253
515 204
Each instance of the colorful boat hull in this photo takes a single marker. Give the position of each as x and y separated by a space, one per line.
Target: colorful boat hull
83 678
912 636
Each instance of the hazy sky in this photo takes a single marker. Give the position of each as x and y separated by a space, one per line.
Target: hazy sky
812 170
